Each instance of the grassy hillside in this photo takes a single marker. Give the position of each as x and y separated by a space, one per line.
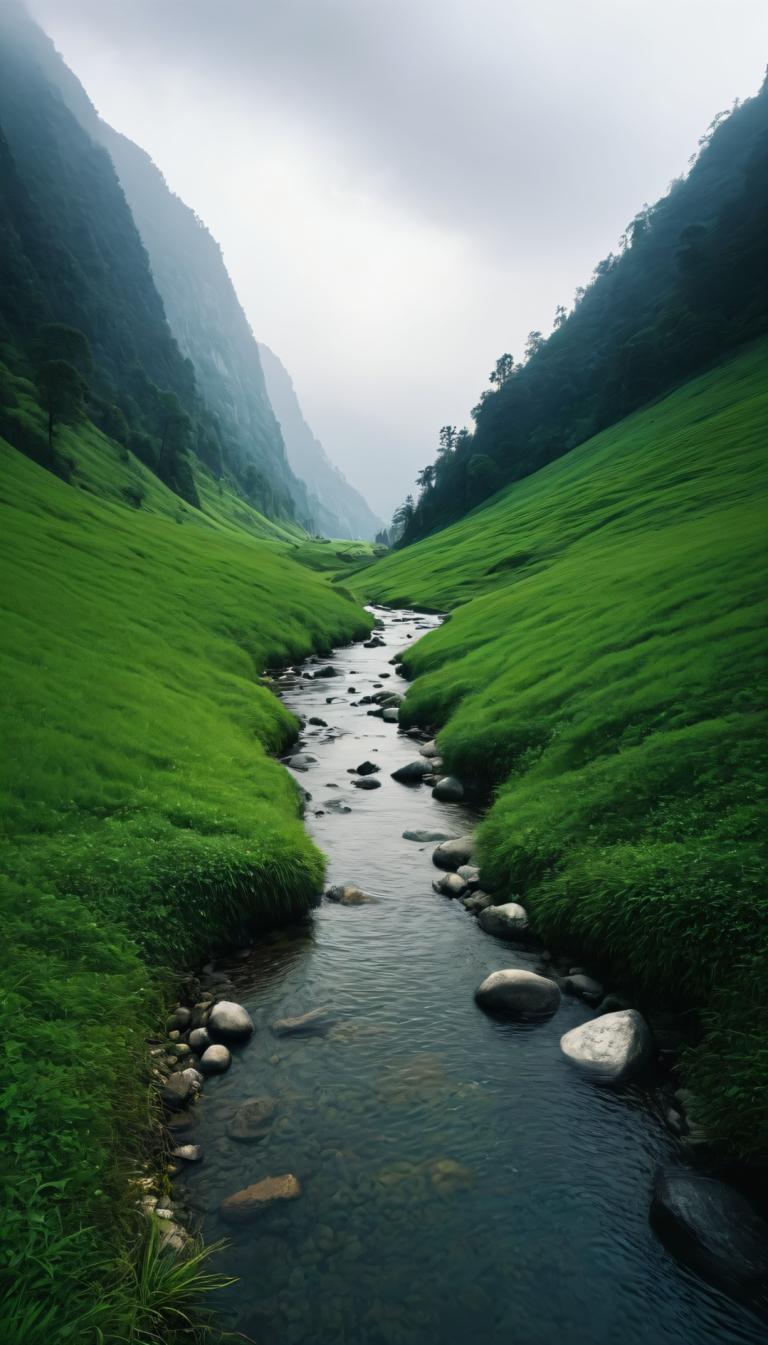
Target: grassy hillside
603 667
142 818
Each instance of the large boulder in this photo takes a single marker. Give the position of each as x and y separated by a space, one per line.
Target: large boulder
453 853
229 1022
252 1119
254 1200
412 773
508 921
450 885
346 894
448 790
710 1226
518 993
614 1047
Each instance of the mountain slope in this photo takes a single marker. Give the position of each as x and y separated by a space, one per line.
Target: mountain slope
689 285
604 667
341 509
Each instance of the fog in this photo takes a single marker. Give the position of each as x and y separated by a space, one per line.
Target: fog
403 189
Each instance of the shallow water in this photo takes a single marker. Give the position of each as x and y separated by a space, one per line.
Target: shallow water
460 1180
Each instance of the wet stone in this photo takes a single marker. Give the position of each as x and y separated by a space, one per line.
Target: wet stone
252 1120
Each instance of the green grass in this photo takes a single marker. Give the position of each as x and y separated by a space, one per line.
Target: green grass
143 820
603 672
335 557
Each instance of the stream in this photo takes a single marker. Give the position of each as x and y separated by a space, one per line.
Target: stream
460 1180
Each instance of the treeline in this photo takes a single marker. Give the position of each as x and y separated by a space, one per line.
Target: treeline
689 283
75 276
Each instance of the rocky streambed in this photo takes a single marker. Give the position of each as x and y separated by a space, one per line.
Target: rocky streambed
414 1124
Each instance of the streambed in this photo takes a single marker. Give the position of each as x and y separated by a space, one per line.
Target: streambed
460 1180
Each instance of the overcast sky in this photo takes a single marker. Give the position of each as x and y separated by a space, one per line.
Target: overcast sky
404 188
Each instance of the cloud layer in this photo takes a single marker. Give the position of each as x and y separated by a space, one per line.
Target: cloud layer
403 188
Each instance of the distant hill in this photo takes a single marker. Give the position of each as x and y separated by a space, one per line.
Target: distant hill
336 498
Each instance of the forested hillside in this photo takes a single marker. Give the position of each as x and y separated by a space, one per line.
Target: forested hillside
603 669
689 283
80 311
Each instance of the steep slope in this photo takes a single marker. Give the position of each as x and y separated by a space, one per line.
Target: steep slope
689 285
206 318
340 509
143 819
604 667
72 255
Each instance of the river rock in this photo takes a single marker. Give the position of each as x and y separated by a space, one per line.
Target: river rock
390 715
253 1200
179 1020
366 768
508 921
318 722
177 1091
327 671
336 806
314 1021
367 782
614 1047
425 837
412 773
348 895
578 983
478 901
215 1059
471 875
229 1022
450 885
453 853
199 1039
710 1226
301 761
190 1153
430 749
448 790
373 643
251 1121
521 994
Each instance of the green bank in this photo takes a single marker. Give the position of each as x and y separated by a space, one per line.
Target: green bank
144 818
601 678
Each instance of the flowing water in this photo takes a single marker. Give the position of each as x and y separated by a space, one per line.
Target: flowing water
460 1180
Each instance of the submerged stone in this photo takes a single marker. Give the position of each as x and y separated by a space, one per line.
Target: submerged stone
710 1226
253 1200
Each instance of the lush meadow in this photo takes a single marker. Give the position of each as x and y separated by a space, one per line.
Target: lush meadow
143 819
602 673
